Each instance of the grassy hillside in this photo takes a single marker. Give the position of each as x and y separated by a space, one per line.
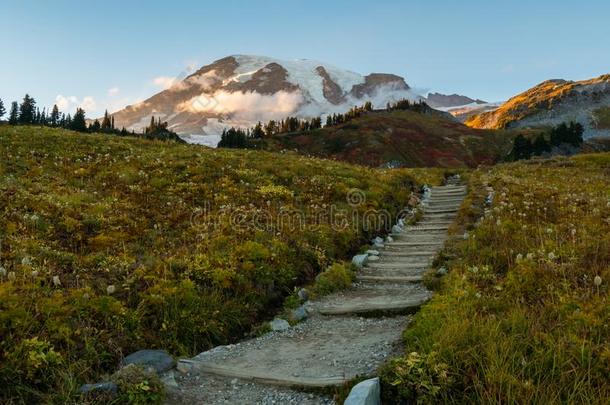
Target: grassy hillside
400 138
524 313
108 245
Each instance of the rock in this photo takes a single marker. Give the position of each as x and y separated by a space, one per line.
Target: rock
184 366
158 360
101 389
401 222
169 379
299 314
389 239
367 392
396 229
441 271
279 324
303 294
360 260
372 252
373 258
377 241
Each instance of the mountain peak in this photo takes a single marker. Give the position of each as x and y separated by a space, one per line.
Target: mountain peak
240 90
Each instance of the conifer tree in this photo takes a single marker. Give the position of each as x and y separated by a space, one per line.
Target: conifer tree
27 110
2 109
106 124
14 115
78 122
54 118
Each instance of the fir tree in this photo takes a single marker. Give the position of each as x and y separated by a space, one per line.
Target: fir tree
2 109
14 114
78 123
54 119
106 123
27 110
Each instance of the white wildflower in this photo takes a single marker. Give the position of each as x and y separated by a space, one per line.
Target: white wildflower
56 281
12 276
111 289
2 272
34 273
519 257
552 256
530 256
597 281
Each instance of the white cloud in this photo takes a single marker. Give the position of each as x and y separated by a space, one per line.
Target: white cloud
248 106
69 103
164 82
113 91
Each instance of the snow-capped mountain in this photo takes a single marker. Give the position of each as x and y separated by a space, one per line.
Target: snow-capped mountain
241 90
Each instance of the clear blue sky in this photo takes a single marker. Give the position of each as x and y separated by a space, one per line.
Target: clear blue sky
108 53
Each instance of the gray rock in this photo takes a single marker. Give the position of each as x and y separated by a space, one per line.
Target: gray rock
279 324
360 260
169 379
108 389
158 360
367 392
389 239
373 258
377 241
396 229
372 252
303 294
299 314
441 271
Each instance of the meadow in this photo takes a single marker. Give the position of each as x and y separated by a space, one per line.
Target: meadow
523 315
109 245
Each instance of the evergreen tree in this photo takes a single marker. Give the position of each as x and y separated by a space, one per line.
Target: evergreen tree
257 131
522 148
14 114
78 122
540 145
106 123
2 109
27 110
54 119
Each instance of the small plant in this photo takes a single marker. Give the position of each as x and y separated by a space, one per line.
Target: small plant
138 386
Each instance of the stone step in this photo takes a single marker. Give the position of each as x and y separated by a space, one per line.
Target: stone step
407 253
440 210
390 279
416 244
400 264
396 306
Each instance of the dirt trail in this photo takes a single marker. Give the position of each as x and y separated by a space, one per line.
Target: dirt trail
348 334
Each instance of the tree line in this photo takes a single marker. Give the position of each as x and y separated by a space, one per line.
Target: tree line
563 134
27 113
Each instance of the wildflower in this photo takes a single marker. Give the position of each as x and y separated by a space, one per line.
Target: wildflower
551 256
111 289
519 257
26 261
529 256
12 276
34 273
597 281
56 281
2 272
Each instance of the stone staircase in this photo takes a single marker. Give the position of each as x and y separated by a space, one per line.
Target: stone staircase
349 334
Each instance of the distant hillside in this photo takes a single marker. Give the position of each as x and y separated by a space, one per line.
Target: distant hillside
399 139
454 100
553 102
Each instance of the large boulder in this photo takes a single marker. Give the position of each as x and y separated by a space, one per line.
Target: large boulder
359 260
367 392
158 360
279 324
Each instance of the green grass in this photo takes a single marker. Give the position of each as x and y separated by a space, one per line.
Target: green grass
519 318
139 239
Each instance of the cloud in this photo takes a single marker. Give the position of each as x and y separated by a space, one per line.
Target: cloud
249 106
164 82
69 103
113 91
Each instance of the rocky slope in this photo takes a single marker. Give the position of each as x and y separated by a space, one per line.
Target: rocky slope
438 100
553 102
241 90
